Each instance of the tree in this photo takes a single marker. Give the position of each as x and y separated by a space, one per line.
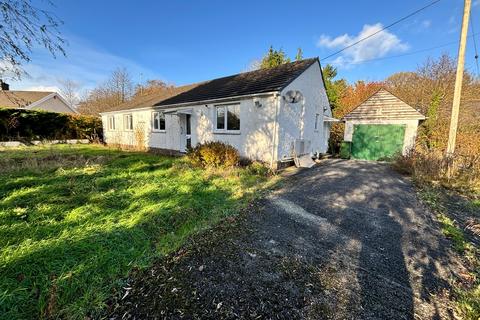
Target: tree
120 85
115 91
335 88
151 86
22 27
430 90
69 90
299 55
274 58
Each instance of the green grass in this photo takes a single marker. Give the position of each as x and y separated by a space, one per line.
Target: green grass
74 220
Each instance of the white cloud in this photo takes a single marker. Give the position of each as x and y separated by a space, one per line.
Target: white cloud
85 64
43 88
377 46
426 23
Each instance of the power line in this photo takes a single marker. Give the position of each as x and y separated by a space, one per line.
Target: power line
407 54
474 45
383 29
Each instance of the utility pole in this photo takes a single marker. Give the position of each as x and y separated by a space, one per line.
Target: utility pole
458 80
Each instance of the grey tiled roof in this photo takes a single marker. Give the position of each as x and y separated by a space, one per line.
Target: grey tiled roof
253 82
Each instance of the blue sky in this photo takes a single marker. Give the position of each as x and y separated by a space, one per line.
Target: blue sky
187 41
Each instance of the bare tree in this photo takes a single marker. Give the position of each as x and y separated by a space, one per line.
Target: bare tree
120 84
115 91
70 91
22 27
151 86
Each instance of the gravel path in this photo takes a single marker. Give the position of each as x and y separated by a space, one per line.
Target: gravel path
344 240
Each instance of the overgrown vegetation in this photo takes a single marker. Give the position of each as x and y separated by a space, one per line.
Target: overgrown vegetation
454 225
74 220
461 172
19 124
214 154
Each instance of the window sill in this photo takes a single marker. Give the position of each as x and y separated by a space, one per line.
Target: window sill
159 131
228 132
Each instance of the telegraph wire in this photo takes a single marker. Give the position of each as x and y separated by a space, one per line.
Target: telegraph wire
475 45
383 29
407 54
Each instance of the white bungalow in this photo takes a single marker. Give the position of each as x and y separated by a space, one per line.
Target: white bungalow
271 115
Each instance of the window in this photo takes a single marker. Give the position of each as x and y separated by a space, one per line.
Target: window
317 117
220 118
158 121
228 117
111 123
128 121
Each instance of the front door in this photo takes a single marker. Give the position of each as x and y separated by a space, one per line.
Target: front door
185 132
188 136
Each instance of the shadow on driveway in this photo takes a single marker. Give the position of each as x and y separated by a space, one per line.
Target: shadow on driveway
345 240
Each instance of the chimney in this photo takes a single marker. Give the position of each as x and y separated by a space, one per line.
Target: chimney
4 86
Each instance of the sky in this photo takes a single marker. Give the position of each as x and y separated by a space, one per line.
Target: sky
188 41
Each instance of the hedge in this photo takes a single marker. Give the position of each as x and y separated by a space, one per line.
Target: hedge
19 124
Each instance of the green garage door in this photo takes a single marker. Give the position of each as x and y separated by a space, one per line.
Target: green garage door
377 141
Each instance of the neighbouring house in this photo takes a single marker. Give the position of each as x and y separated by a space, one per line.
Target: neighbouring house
381 127
33 100
270 115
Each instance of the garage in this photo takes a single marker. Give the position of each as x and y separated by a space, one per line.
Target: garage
381 127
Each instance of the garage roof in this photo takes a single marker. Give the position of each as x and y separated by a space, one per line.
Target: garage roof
383 105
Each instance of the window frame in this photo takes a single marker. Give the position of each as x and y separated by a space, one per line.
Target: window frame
225 108
111 123
161 114
126 116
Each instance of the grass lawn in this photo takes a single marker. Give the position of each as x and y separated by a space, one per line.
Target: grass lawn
74 220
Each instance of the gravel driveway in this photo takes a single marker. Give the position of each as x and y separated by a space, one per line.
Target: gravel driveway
344 240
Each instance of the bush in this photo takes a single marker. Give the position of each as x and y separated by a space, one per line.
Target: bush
258 168
345 150
19 124
458 171
214 154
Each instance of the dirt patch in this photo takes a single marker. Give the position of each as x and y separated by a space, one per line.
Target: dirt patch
222 274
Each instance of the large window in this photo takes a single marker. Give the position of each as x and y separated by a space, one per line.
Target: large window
111 122
228 117
128 121
158 121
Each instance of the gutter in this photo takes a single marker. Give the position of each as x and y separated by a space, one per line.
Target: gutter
176 105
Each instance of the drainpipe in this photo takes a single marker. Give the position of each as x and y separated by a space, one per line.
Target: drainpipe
274 138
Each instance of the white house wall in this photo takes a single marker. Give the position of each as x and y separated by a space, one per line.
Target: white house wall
297 121
254 140
410 130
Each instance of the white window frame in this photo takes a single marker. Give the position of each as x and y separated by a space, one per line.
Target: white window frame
225 119
162 115
125 121
317 118
111 123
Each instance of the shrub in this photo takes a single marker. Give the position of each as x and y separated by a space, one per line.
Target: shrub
19 124
258 168
214 154
457 171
